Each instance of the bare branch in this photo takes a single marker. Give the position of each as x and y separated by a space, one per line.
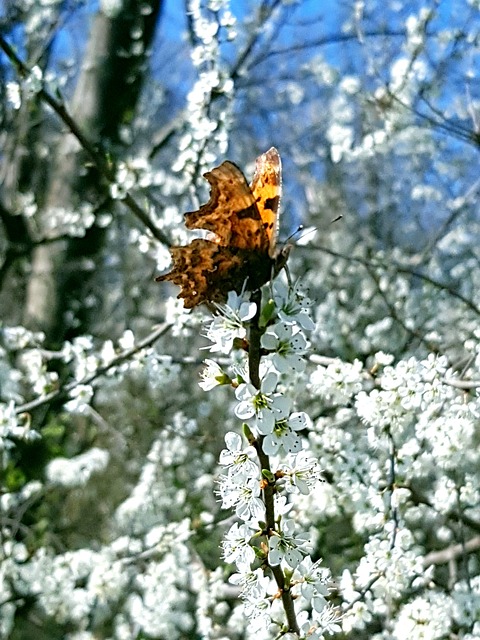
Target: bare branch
452 552
462 384
331 39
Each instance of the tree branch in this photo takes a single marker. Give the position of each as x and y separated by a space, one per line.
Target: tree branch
452 552
122 357
98 157
401 269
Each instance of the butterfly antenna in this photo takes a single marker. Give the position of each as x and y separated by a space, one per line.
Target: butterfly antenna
301 227
297 230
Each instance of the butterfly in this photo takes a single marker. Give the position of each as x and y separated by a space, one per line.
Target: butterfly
240 253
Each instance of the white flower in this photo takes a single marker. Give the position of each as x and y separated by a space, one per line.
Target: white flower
76 471
33 83
262 408
303 473
357 616
20 338
81 396
13 426
285 545
236 546
347 587
328 619
308 628
9 421
237 306
288 347
230 323
282 506
240 461
257 610
315 579
339 382
293 305
244 496
284 434
383 359
13 94
251 582
212 376
425 618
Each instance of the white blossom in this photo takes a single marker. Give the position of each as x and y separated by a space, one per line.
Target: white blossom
424 618
287 545
212 376
236 546
302 472
76 471
284 434
262 407
288 347
240 461
244 495
229 324
293 305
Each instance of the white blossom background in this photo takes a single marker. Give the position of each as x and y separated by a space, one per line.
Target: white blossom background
120 515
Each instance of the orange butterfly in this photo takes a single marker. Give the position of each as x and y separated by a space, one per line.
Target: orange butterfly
243 220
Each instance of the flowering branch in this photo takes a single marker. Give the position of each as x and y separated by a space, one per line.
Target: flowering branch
65 390
280 585
407 270
254 355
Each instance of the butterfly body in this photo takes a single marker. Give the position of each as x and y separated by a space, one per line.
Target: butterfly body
242 220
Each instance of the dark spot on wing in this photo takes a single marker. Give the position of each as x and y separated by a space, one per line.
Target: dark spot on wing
272 203
249 212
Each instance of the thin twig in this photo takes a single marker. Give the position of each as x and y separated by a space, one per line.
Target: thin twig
401 269
100 160
122 357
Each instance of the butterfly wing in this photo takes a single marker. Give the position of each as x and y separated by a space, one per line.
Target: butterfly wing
206 271
266 188
243 223
231 212
198 269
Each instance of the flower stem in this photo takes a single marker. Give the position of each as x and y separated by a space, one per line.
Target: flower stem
254 355
254 341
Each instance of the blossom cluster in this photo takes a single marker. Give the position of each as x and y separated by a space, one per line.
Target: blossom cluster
263 474
397 441
208 119
400 444
139 580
